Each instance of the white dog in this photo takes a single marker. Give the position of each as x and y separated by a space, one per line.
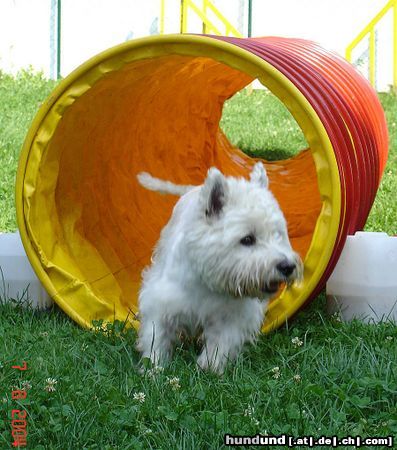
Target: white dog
222 255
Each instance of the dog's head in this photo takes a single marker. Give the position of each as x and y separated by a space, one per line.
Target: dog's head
238 241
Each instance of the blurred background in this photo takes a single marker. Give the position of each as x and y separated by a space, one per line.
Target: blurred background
56 36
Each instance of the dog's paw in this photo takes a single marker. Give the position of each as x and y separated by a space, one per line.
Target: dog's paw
149 367
216 367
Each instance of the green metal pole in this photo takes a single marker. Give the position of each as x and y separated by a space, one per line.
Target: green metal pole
249 18
59 7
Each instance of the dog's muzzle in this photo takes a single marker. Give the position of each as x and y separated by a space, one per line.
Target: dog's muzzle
286 268
271 287
286 272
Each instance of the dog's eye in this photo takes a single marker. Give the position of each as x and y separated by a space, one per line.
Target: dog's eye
248 240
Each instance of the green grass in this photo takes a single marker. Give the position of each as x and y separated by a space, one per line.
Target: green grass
20 98
250 126
340 380
347 385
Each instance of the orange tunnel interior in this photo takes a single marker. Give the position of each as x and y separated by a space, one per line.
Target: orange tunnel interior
160 115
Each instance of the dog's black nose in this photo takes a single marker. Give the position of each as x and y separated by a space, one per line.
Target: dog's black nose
285 267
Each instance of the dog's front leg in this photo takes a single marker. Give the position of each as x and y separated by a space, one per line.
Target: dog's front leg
156 340
225 336
220 346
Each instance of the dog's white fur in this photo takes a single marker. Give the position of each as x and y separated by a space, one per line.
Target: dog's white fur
215 266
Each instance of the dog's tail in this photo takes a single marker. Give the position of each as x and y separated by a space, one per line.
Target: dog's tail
162 186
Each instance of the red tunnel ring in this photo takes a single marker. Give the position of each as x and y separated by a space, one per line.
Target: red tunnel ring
339 95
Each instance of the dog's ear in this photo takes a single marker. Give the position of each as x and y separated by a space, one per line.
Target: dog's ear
214 193
259 176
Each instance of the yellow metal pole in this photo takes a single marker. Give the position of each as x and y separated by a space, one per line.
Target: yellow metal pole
205 15
162 14
372 57
349 54
370 27
183 16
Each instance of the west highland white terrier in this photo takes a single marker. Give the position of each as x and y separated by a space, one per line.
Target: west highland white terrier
222 255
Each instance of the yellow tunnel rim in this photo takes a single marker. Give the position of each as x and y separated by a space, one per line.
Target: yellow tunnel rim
326 231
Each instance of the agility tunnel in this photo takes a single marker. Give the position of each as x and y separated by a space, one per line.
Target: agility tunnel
154 104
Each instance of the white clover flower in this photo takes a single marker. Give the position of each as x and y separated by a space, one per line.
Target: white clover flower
174 382
389 338
51 382
26 385
139 397
297 378
297 342
276 372
249 411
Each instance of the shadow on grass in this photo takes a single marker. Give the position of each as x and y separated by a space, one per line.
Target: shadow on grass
274 154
